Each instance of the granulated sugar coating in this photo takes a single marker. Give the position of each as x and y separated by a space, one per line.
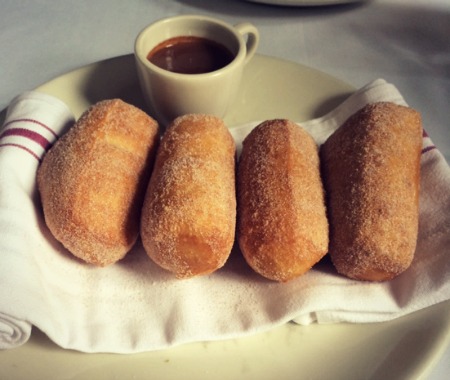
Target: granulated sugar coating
189 215
92 181
282 224
371 170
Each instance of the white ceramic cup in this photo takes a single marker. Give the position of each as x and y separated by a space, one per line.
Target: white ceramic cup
171 94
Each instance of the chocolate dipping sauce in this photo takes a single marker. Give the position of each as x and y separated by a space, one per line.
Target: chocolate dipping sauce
190 55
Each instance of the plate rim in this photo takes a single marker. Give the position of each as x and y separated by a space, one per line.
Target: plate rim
305 3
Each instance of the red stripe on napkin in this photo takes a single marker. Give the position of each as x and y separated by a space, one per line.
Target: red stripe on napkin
427 144
23 148
34 136
31 121
428 148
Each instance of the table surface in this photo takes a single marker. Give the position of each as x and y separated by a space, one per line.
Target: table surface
405 42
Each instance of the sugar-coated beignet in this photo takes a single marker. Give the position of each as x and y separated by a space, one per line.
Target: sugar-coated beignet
189 215
371 168
92 181
282 223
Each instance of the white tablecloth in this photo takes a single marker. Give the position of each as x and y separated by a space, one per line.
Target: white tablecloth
406 42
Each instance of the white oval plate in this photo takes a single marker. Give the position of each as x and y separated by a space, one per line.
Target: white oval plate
407 347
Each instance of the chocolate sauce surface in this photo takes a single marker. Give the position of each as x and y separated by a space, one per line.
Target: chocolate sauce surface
190 55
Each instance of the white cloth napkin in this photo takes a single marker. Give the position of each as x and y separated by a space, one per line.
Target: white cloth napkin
134 306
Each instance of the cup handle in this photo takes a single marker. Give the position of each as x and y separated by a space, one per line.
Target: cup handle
249 30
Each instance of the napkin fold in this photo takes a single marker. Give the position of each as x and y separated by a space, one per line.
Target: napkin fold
134 306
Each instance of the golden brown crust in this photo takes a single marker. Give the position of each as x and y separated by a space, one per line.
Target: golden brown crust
189 215
282 224
371 170
92 181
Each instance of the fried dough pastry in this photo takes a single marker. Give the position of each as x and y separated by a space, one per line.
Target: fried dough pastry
282 223
189 215
371 169
92 181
